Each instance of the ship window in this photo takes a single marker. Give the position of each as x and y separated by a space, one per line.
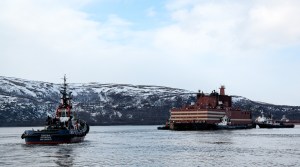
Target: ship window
63 113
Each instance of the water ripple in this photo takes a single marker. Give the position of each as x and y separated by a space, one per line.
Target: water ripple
146 146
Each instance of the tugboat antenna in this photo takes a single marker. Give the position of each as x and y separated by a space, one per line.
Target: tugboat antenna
65 79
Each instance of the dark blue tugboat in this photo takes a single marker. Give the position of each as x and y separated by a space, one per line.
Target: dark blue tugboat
63 128
268 122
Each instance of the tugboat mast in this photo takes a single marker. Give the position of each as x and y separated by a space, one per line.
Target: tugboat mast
66 97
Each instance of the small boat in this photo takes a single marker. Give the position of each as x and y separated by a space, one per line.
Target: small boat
226 124
63 128
268 122
164 127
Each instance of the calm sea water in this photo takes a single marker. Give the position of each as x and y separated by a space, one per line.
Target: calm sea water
146 146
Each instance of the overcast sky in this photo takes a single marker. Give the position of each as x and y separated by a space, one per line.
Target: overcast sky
251 47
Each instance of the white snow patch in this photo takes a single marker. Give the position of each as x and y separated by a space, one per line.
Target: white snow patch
119 114
238 98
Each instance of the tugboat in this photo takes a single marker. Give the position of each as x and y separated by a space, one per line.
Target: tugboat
210 112
63 128
268 122
226 124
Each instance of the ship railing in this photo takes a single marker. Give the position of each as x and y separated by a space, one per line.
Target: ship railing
197 109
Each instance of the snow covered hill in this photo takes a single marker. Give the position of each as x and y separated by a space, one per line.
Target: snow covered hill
25 103
277 111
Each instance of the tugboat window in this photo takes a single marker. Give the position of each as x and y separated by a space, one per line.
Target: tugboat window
63 113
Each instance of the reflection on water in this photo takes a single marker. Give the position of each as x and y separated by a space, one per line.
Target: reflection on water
64 156
146 146
44 155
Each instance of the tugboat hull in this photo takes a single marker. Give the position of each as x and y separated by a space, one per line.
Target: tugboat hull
232 127
54 137
276 126
53 140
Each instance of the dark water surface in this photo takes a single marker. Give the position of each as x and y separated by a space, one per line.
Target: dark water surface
146 146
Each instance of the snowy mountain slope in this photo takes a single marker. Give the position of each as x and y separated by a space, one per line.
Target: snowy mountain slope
24 102
277 111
